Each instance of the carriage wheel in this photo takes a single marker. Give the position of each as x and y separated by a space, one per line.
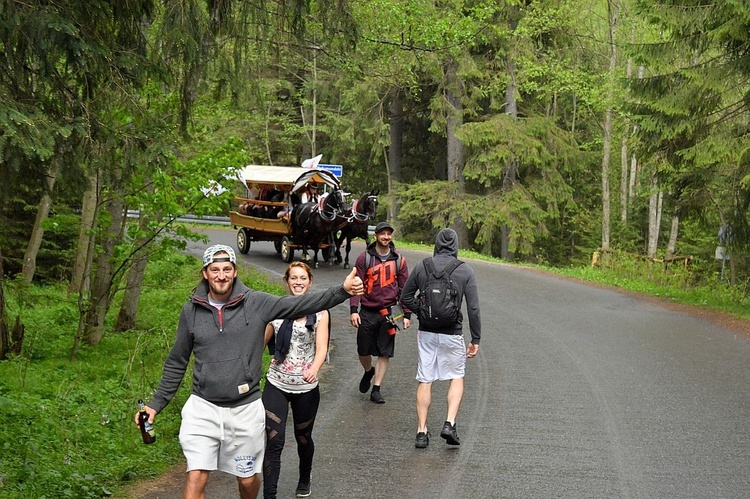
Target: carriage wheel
243 241
277 246
287 252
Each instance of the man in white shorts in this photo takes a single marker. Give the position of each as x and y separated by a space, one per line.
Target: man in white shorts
223 327
442 350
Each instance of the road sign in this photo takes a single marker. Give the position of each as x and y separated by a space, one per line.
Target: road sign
337 170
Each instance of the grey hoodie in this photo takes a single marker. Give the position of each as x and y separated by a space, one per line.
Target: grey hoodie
228 344
446 250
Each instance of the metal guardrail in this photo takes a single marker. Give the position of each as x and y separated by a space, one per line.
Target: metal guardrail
211 219
208 219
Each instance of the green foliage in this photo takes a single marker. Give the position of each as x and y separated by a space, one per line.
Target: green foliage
692 106
57 251
526 205
66 429
160 99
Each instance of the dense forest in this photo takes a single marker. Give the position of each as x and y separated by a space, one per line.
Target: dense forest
541 130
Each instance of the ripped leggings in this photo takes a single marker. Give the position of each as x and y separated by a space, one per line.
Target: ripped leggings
304 409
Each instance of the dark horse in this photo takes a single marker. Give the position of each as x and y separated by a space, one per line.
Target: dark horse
313 223
355 225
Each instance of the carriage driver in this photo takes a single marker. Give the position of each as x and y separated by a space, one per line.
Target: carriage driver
310 194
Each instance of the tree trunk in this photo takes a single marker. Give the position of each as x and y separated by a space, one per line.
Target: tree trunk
4 335
37 232
672 244
659 208
11 342
653 218
103 277
129 308
511 108
454 92
395 153
314 131
624 178
510 177
606 152
633 181
607 137
624 149
79 282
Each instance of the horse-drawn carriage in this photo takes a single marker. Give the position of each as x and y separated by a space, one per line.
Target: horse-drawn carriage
298 225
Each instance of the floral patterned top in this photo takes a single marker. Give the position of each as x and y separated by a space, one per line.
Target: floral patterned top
287 375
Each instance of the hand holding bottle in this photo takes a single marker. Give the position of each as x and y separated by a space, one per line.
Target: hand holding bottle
144 419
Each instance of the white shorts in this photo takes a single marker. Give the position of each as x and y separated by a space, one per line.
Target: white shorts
441 356
230 439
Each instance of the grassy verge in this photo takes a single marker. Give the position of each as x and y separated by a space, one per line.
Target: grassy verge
66 429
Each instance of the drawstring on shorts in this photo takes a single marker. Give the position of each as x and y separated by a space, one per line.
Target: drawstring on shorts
222 433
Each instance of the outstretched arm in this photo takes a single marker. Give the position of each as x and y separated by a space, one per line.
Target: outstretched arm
271 307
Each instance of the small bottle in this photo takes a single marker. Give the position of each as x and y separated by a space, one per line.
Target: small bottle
392 329
147 429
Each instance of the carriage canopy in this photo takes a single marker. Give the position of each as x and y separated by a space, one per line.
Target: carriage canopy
294 176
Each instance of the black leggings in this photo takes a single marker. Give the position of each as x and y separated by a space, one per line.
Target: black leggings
304 409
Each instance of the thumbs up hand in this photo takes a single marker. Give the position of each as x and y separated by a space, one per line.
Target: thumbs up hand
353 284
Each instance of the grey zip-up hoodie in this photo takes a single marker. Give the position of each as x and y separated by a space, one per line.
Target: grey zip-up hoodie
228 344
446 250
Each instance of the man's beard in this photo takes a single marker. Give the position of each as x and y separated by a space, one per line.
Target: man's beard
222 288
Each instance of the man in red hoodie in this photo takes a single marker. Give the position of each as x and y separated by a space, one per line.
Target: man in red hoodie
384 273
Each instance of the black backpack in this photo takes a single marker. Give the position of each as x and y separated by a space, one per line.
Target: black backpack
439 301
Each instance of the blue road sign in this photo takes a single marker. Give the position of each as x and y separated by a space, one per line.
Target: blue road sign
337 170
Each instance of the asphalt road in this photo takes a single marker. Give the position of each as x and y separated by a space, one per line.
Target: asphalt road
577 391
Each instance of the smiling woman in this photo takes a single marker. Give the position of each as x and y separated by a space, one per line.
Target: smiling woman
299 347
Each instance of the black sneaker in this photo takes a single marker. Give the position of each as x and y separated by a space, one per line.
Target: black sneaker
449 434
364 383
422 440
377 397
303 489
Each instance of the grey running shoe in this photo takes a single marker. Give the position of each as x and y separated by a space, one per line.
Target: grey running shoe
364 383
377 398
422 440
449 434
303 489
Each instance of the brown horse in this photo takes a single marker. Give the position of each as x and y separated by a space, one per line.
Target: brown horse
355 223
313 223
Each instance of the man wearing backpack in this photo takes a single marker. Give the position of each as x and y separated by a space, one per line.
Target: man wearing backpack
383 272
434 291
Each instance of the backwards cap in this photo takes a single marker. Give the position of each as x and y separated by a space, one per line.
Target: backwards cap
209 255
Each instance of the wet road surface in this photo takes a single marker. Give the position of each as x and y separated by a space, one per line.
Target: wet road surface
577 391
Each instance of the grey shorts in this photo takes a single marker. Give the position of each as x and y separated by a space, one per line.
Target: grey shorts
230 439
441 356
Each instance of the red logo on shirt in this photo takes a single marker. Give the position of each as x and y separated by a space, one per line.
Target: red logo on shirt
383 273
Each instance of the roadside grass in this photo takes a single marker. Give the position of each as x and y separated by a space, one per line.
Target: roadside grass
66 428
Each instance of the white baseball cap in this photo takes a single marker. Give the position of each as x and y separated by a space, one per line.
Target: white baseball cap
209 254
